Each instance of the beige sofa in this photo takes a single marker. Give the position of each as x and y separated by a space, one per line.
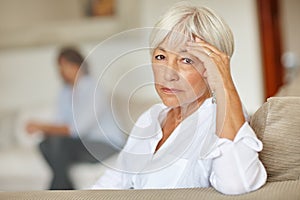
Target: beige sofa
277 124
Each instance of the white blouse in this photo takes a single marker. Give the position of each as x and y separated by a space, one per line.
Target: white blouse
192 156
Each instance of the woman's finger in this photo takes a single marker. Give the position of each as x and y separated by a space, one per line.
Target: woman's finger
202 56
211 59
206 46
200 53
212 49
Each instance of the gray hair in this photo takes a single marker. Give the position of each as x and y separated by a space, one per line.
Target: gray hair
192 21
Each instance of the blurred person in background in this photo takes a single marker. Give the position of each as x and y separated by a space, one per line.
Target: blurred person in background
76 133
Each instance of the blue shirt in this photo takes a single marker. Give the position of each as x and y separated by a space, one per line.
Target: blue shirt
85 110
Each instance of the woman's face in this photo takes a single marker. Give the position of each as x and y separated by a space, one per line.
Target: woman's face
178 76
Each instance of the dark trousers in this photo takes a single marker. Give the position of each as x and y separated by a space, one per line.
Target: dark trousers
62 152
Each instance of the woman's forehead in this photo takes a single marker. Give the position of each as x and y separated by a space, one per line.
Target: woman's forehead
178 46
172 49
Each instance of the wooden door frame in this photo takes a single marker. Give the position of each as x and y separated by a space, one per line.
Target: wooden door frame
271 45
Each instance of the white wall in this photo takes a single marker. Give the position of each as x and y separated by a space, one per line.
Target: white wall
33 12
27 77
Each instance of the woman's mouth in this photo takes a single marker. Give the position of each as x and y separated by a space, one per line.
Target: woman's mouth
170 90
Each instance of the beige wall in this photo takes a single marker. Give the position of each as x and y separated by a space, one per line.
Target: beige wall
28 77
291 27
15 13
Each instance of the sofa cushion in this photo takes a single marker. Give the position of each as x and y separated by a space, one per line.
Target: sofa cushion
277 125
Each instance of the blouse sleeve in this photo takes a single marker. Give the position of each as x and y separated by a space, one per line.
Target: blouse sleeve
111 179
236 167
115 177
127 159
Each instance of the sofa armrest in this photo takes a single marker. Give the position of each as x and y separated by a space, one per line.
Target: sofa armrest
272 190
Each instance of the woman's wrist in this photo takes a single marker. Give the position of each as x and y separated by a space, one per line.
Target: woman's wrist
230 115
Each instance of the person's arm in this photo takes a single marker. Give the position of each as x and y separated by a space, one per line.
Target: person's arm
117 175
111 179
48 129
120 173
237 169
230 116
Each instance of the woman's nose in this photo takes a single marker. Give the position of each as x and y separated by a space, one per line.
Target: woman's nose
170 74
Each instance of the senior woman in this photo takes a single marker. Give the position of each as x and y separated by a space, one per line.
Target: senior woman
199 136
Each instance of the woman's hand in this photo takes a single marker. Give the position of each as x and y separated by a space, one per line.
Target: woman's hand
230 115
216 63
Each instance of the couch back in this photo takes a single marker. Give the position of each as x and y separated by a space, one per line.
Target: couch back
277 125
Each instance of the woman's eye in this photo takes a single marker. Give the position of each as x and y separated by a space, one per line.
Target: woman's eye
187 61
160 57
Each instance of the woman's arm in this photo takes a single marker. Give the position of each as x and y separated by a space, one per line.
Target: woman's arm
117 175
230 116
237 169
111 179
